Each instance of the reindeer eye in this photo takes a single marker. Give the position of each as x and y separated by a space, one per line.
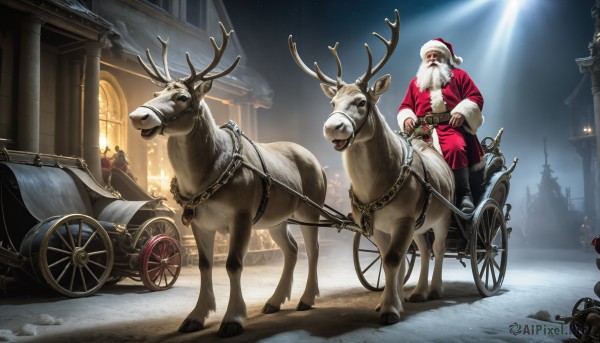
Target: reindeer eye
362 103
182 97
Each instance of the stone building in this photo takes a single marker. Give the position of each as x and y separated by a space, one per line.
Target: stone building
586 117
69 76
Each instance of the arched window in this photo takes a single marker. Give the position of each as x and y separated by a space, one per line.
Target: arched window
112 126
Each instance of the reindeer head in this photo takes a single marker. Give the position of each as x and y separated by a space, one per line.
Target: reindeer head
352 103
172 110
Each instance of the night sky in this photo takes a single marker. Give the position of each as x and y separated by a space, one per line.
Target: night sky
522 61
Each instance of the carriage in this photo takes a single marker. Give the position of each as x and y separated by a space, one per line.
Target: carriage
481 236
62 230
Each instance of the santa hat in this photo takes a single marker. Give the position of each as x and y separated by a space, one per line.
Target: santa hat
441 46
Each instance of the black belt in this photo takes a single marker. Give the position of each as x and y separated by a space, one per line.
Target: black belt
434 118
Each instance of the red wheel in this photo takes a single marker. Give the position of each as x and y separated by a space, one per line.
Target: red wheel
160 263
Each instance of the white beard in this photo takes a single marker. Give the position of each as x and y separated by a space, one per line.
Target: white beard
432 76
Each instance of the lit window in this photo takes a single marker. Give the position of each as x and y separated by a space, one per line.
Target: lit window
111 123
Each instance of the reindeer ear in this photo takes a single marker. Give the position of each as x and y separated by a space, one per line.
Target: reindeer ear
380 86
329 91
203 88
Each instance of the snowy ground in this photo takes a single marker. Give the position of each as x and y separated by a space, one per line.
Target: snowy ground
539 284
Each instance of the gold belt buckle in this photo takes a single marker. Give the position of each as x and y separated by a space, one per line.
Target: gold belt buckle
431 120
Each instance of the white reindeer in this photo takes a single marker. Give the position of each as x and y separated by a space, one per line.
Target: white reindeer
222 180
387 177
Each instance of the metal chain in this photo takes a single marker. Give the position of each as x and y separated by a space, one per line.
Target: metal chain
367 210
189 205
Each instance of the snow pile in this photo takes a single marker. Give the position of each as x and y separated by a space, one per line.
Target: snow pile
46 319
6 335
29 329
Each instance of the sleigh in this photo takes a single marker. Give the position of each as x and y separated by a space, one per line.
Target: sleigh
481 236
62 230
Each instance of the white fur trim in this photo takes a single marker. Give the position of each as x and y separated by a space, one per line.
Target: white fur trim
435 140
434 45
473 117
403 115
437 101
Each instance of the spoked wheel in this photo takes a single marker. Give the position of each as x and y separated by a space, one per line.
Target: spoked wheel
160 263
368 264
153 227
489 247
73 254
578 325
499 190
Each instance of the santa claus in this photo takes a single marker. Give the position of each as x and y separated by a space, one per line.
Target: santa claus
445 105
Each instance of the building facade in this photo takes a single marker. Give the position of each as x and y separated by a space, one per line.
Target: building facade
69 76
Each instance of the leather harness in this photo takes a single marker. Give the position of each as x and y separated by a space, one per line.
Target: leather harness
189 204
367 210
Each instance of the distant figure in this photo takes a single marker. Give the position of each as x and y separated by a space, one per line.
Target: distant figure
118 160
585 234
105 164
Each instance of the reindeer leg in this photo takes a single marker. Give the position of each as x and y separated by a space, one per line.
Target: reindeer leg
382 240
439 249
391 304
206 301
283 238
419 293
239 238
311 243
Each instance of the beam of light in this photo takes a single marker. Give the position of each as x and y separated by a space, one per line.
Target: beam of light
499 47
502 37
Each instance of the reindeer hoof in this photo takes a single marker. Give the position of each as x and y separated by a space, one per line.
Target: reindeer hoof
190 326
303 307
389 318
268 309
230 329
416 298
434 295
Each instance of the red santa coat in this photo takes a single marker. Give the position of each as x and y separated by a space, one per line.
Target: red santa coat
460 146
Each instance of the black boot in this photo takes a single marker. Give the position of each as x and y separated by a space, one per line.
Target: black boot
464 200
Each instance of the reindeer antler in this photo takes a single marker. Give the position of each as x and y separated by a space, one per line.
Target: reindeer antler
218 54
318 74
155 73
390 46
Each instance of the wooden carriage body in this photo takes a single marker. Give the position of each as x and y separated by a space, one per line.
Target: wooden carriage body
60 228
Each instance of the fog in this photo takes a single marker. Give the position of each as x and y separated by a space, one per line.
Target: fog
523 62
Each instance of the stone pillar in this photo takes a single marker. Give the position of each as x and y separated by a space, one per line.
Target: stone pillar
74 110
595 73
91 124
588 194
595 76
28 121
62 130
246 115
